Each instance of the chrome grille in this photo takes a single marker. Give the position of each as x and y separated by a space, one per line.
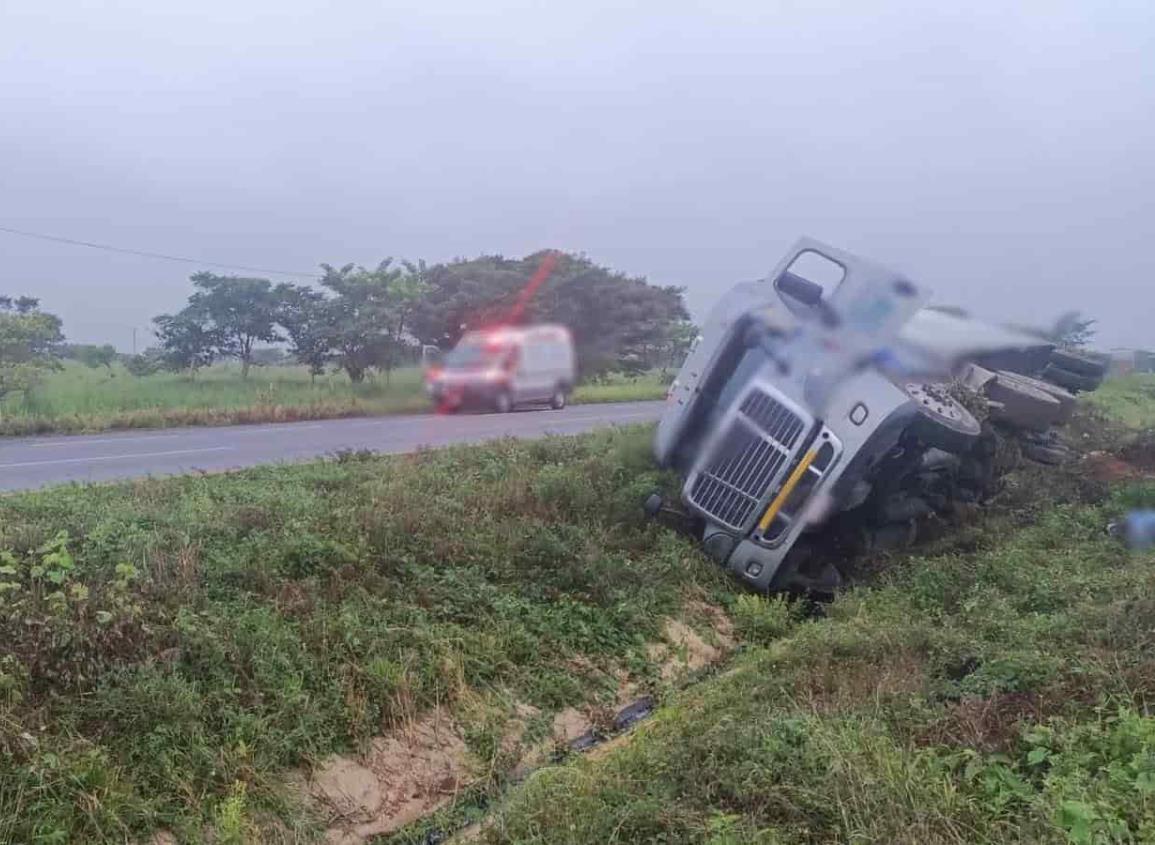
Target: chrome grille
750 456
774 418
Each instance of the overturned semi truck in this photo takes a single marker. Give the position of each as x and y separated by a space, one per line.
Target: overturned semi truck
830 388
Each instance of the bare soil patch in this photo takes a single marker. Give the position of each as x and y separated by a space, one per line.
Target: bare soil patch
402 776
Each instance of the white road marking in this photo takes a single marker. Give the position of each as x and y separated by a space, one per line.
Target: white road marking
506 425
208 430
81 440
125 457
448 421
281 428
637 415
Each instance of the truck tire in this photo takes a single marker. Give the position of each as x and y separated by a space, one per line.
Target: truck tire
942 422
1075 362
1023 405
558 399
1074 382
1049 455
802 572
1067 400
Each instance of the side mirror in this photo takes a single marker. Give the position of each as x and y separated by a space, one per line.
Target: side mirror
805 291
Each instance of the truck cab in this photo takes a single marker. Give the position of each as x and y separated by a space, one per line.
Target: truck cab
776 422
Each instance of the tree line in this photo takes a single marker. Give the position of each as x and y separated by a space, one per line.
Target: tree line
363 320
29 343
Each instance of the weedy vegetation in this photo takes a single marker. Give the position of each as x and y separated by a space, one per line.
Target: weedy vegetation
1130 399
995 689
173 647
993 686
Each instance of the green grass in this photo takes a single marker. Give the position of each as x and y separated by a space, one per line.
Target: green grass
621 388
78 398
172 647
994 690
1128 398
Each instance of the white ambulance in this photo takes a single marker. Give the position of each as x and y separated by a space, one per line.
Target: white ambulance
502 368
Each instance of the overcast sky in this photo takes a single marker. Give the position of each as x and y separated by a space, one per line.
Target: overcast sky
1003 154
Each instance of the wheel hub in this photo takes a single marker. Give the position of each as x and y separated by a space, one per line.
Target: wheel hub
936 400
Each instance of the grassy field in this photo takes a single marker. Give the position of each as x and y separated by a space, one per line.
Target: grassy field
168 643
995 686
79 398
181 653
1129 398
997 689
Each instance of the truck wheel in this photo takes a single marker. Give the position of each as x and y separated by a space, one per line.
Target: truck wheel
1023 404
557 401
1071 381
941 422
503 402
801 572
1050 455
1074 362
1067 400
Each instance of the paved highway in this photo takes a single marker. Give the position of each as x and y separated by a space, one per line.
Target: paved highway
31 462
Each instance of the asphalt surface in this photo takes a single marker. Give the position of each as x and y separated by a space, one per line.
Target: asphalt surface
31 462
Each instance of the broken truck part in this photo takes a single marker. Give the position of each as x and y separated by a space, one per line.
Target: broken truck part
827 389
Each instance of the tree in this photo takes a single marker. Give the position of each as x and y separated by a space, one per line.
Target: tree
240 312
618 322
466 294
303 313
405 291
1073 331
19 305
29 343
353 321
187 339
149 361
359 321
679 338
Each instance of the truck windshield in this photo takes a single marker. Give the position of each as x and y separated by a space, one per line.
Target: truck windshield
475 357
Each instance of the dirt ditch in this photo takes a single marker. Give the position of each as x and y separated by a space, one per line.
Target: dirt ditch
412 772
402 776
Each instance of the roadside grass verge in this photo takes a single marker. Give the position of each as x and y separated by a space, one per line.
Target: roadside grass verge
1130 399
622 388
173 647
178 651
81 399
995 688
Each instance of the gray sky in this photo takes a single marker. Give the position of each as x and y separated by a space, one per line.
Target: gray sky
996 152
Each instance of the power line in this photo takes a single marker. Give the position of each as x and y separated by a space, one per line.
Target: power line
158 255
